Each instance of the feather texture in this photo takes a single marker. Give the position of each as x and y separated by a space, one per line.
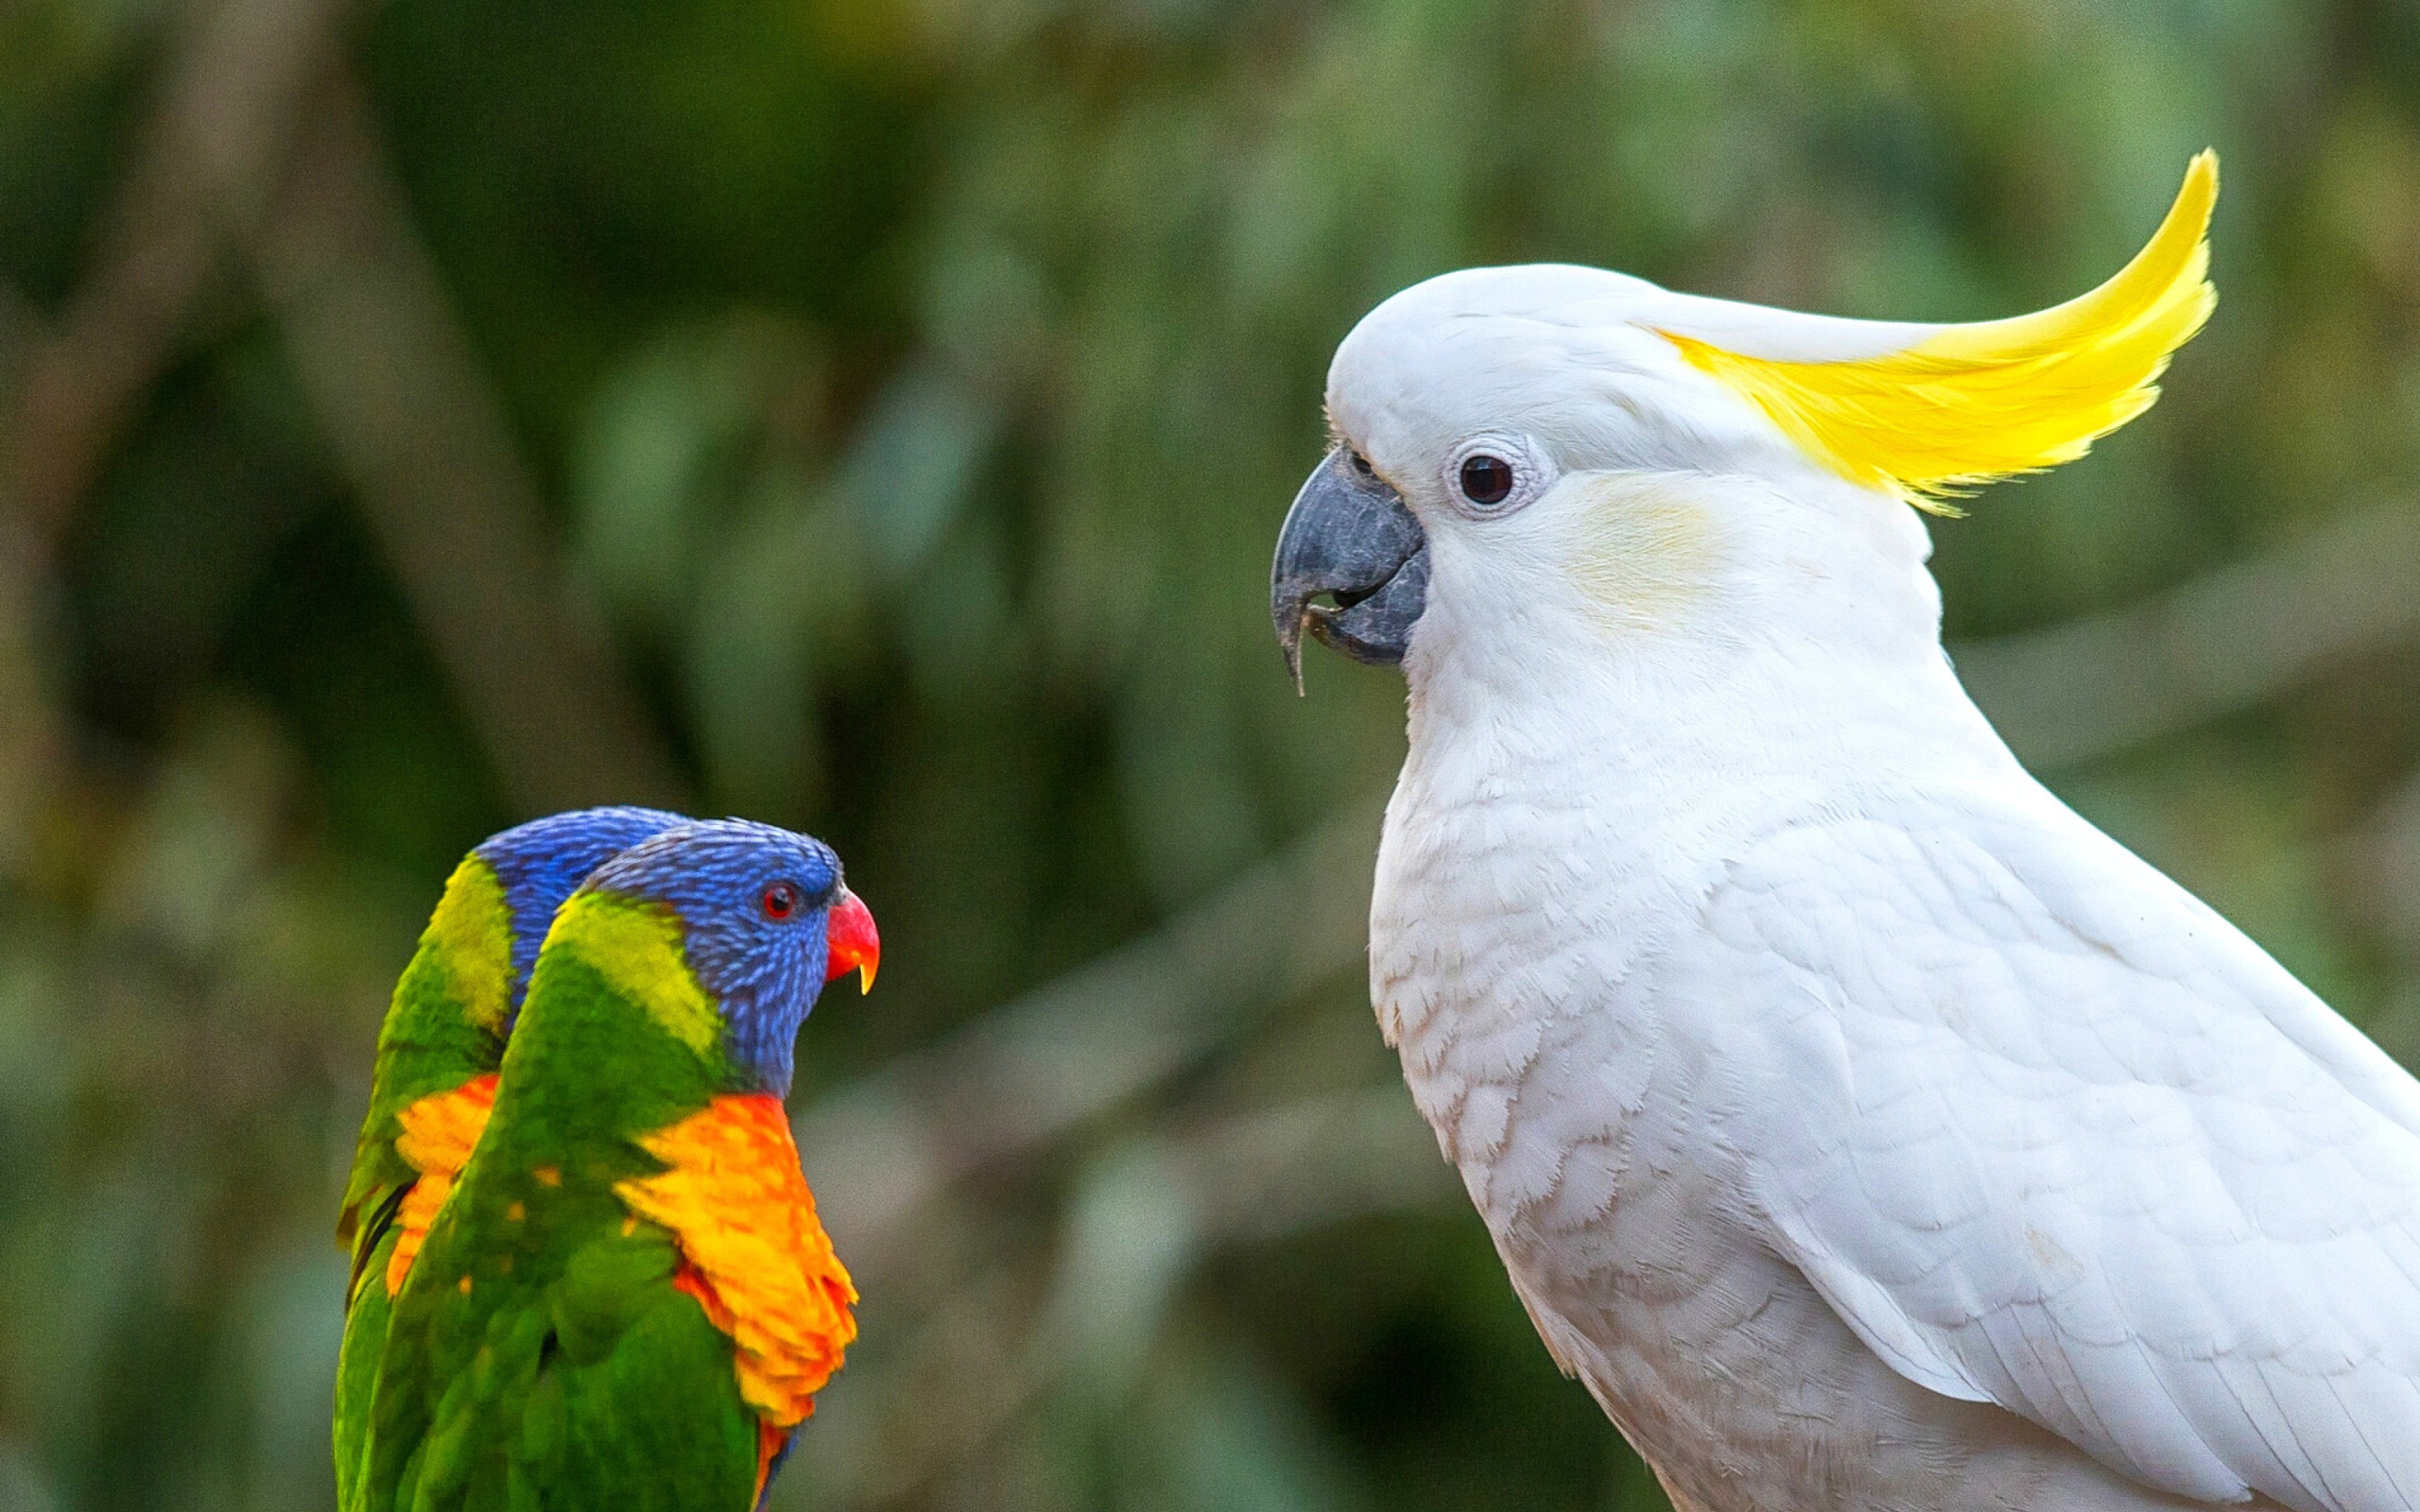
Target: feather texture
2059 1138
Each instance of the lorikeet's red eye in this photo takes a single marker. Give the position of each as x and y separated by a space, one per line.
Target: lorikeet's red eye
781 900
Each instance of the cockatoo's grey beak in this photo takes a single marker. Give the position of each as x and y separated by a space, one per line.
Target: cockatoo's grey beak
1348 535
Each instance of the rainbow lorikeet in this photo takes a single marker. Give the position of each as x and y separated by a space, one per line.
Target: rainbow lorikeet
627 1302
435 1077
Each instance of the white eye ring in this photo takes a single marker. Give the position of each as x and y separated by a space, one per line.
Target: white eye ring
1492 475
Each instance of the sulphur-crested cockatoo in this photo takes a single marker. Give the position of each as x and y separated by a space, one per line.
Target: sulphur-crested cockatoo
1865 1128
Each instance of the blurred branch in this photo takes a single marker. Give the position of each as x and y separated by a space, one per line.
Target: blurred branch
423 439
210 159
387 367
33 745
1027 1072
2220 643
34 748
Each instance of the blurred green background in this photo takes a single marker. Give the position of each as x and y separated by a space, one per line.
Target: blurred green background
875 416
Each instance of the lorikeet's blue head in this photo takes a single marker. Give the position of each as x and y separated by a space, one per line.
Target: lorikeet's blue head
765 923
538 864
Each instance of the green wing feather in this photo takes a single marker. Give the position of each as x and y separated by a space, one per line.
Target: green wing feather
599 1387
540 1355
444 1026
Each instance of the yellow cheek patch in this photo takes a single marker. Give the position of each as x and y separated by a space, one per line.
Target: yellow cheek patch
754 1253
636 947
472 929
1644 547
1975 403
439 1132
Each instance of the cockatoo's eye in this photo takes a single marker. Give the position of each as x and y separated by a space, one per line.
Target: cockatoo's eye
781 900
1489 477
1487 481
1361 464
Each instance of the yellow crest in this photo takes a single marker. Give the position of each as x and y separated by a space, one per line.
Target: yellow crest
1972 404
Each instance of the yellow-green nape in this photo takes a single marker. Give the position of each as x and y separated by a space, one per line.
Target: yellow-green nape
473 931
1972 403
636 947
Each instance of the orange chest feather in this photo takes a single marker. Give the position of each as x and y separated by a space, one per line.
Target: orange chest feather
437 1134
754 1253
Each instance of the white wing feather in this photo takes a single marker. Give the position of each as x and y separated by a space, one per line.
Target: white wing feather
2049 1132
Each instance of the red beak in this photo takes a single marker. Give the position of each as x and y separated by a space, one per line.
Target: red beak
850 942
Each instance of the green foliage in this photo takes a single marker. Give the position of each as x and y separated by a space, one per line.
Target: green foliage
902 395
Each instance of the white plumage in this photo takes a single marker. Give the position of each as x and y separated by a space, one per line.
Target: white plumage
1863 1127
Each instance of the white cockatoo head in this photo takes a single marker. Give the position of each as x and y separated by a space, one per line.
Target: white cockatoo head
1529 456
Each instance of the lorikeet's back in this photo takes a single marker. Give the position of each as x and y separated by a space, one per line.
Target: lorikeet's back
435 1078
628 1301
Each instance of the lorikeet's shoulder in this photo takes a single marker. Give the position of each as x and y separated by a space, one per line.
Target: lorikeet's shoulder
444 1026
